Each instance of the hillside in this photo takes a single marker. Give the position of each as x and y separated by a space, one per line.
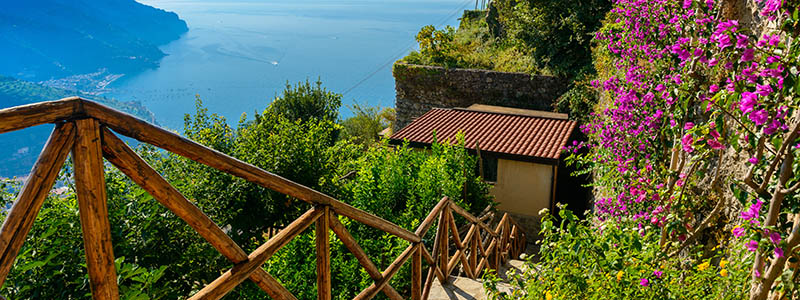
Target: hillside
43 39
19 149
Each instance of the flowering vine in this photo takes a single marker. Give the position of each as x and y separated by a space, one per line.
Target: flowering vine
693 87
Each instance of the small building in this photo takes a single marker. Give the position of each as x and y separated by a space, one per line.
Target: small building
520 153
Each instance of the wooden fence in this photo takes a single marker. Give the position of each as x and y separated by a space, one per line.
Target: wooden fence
85 128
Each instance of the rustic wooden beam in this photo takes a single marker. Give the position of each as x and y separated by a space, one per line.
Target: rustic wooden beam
428 221
426 289
452 263
90 184
473 252
347 239
454 229
138 170
443 244
233 277
464 213
20 117
427 255
22 214
373 289
373 221
416 273
138 129
270 285
323 255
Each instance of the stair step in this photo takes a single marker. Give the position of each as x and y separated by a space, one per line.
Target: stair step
462 288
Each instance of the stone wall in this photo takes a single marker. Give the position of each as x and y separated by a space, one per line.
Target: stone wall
420 88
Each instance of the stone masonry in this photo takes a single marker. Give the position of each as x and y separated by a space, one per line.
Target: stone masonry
420 88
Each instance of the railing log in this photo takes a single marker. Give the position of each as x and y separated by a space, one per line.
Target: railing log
233 277
464 213
373 289
90 185
454 229
351 244
323 255
23 213
416 273
20 117
138 129
137 169
428 221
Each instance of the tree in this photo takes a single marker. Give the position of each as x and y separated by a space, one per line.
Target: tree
306 101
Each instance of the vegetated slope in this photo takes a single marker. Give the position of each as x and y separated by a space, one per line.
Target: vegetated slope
43 39
19 149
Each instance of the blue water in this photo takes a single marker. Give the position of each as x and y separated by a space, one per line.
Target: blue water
237 56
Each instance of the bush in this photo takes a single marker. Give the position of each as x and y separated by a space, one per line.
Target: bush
581 260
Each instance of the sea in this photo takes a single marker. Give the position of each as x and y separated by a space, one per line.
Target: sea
239 55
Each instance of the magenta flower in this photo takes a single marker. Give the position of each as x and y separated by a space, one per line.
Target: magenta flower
687 141
778 252
752 213
763 89
657 273
724 41
644 282
775 237
747 55
752 246
688 126
738 232
759 117
748 101
741 41
713 88
753 160
714 144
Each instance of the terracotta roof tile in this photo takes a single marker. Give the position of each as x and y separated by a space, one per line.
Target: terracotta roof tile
522 135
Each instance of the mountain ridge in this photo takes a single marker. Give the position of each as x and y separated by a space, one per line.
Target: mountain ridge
45 39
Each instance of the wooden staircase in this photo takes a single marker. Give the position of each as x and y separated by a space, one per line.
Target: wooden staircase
89 131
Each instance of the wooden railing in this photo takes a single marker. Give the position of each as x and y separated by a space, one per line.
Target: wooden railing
85 128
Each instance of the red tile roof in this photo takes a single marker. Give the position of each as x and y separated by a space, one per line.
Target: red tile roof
512 134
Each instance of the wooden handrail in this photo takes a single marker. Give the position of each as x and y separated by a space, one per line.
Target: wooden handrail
84 127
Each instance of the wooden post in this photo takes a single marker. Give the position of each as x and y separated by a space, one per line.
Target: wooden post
90 184
473 251
443 241
323 256
351 244
29 201
416 273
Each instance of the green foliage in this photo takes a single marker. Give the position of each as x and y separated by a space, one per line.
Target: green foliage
580 260
470 46
306 101
364 127
556 34
161 257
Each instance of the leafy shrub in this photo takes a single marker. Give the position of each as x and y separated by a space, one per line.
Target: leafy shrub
581 260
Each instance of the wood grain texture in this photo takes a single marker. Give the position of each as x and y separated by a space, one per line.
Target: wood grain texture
428 221
20 117
138 170
323 255
416 273
233 277
90 185
444 250
352 245
37 187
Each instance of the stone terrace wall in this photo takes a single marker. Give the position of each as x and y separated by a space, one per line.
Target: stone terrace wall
420 88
